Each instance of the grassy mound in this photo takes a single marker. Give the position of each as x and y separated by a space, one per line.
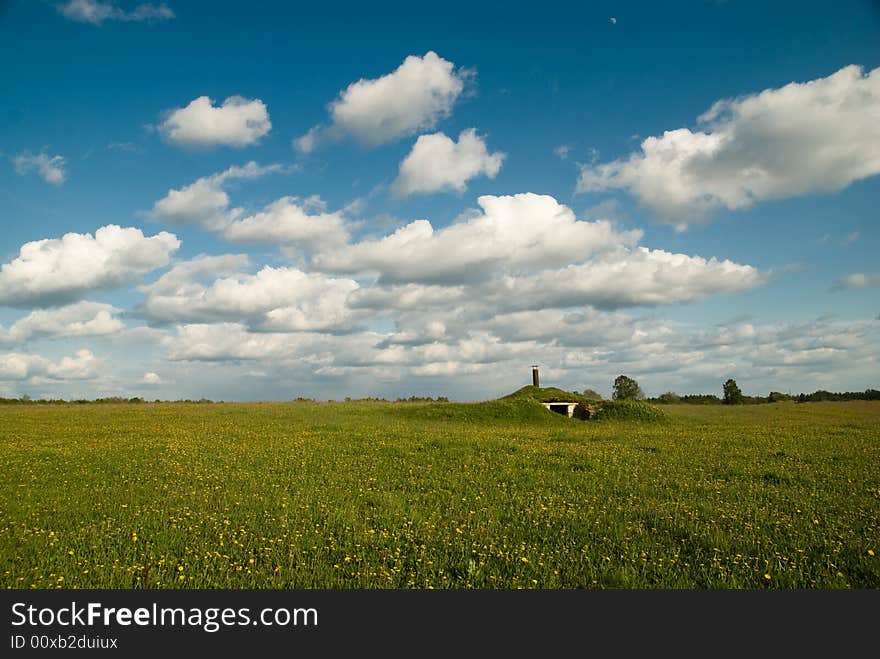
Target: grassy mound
545 395
505 409
524 406
630 410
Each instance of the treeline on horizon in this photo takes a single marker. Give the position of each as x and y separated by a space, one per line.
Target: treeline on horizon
672 398
116 400
668 398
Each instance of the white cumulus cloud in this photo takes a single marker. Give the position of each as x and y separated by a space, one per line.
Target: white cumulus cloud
151 378
438 163
59 270
525 252
84 366
79 319
414 97
289 223
185 273
238 122
52 169
816 136
205 202
278 299
511 233
626 278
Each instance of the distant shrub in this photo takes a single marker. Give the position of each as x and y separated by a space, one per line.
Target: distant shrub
669 398
592 394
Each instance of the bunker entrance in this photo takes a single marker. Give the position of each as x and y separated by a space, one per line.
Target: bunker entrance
561 408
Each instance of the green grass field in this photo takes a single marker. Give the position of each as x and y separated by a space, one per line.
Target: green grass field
415 495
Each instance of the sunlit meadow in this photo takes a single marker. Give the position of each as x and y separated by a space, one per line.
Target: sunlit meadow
438 495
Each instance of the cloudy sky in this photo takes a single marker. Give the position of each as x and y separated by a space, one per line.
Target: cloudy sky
238 202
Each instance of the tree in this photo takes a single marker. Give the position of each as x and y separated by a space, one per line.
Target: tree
732 393
592 394
625 388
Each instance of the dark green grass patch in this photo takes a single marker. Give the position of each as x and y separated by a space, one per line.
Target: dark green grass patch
630 410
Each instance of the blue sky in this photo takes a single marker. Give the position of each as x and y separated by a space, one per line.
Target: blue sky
263 202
